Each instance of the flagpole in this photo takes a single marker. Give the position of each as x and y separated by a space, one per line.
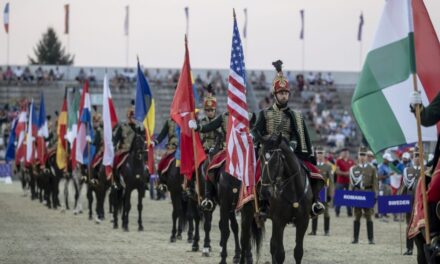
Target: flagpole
196 169
422 167
126 50
360 54
7 49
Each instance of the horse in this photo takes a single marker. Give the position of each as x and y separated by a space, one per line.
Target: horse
288 186
133 174
173 181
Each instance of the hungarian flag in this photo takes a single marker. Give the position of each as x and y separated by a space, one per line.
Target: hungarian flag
31 135
144 111
182 111
404 39
61 132
84 150
73 106
110 120
240 158
20 134
43 132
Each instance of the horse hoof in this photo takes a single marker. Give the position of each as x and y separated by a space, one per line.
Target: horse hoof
115 226
190 240
223 261
140 228
172 239
125 229
97 220
205 251
90 217
179 237
195 248
236 259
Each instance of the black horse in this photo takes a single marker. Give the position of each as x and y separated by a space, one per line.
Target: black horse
173 181
287 183
133 174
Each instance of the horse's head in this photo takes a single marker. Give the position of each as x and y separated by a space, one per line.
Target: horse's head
138 148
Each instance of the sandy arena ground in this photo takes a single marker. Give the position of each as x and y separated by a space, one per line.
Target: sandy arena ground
31 233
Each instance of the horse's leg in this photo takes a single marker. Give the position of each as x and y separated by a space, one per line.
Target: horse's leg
245 240
174 216
141 194
234 227
276 242
224 233
301 228
196 215
126 208
207 228
419 240
114 202
110 201
188 213
90 200
66 193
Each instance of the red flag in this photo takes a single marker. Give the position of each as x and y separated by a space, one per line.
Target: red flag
20 133
182 110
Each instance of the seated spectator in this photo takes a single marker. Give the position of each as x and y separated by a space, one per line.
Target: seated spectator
92 77
262 81
27 75
51 75
58 74
318 78
157 77
81 77
311 79
176 77
18 74
169 77
253 78
328 79
147 74
9 75
300 82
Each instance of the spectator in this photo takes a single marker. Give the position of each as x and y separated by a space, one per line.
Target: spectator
253 78
343 165
384 173
311 78
2 74
300 82
328 79
51 75
39 75
176 77
27 75
9 75
18 74
262 80
318 78
58 74
92 77
81 77
157 77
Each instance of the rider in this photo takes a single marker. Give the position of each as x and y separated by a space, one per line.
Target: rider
98 141
123 137
279 118
212 130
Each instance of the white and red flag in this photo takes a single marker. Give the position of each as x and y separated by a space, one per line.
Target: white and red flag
31 135
240 158
110 120
20 133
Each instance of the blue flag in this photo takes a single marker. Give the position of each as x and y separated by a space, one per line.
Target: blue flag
10 149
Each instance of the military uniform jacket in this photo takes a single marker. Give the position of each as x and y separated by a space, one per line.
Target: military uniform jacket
168 130
213 131
363 177
429 116
410 178
98 139
287 122
52 139
124 136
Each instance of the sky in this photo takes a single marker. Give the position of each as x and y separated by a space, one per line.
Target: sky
157 29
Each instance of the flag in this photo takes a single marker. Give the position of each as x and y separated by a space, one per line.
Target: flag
144 111
109 120
84 152
43 132
183 110
127 20
10 149
381 99
66 19
20 133
361 25
78 114
61 132
187 19
301 34
72 115
245 23
31 135
240 158
6 18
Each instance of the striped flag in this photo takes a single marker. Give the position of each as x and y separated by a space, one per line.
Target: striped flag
127 20
43 132
61 132
20 133
109 120
6 18
240 158
361 25
381 98
31 135
66 18
84 152
301 33
144 111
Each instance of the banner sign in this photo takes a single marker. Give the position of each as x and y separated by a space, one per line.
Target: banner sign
361 199
394 204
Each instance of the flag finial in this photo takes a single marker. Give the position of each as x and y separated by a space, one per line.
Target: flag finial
233 13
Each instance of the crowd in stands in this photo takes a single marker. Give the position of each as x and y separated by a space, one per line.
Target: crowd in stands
23 75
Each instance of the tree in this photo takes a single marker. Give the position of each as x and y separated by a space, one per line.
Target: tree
50 52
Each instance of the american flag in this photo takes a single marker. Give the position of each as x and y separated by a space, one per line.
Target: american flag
240 159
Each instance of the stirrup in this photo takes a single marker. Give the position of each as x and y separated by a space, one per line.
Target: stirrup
317 208
207 204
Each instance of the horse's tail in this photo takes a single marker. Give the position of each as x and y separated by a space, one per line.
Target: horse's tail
257 235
